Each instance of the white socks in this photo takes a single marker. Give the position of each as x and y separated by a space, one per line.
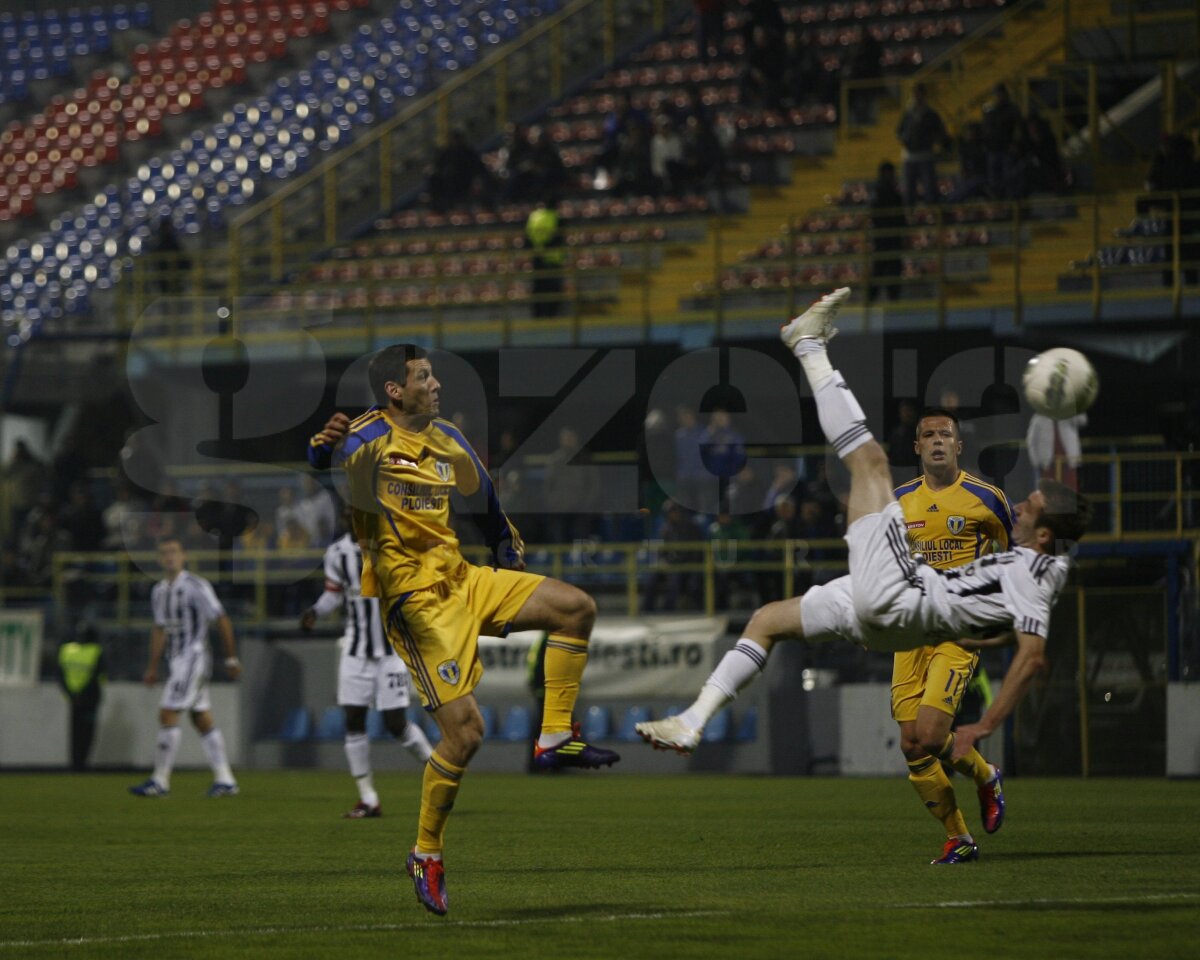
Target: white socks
415 742
737 668
165 748
815 361
842 419
358 754
214 748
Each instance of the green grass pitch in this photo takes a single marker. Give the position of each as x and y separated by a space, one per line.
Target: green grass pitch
595 865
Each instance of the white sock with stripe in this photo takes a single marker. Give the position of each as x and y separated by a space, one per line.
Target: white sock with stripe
842 419
165 748
358 754
214 748
737 668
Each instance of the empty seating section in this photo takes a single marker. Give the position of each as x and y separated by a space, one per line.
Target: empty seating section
302 116
41 46
418 260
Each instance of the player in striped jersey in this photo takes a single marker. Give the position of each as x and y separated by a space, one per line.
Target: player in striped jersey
184 607
890 600
369 672
952 518
403 463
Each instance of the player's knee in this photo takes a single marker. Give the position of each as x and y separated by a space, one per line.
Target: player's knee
396 722
867 608
773 621
580 615
356 721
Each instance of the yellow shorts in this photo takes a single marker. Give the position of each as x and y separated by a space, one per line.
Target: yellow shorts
436 629
930 677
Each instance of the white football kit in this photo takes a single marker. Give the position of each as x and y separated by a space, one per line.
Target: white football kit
369 671
185 608
892 601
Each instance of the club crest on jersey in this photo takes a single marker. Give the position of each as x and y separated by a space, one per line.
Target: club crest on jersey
956 524
449 671
443 471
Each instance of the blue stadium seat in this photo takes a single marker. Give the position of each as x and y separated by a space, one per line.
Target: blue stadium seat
747 727
596 723
376 729
717 729
332 725
632 716
517 725
489 721
297 726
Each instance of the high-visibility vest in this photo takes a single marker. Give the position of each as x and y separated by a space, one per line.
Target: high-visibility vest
78 662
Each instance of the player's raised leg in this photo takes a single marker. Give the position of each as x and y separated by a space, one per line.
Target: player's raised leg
770 624
842 419
568 614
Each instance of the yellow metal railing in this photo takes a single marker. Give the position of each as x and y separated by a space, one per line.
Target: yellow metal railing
1085 252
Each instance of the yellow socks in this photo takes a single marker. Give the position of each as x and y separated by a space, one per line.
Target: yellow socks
933 787
439 787
565 659
974 766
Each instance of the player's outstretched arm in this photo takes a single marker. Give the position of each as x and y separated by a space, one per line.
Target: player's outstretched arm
322 444
158 643
233 666
1029 659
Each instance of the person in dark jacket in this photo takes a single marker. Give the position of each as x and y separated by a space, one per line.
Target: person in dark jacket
81 674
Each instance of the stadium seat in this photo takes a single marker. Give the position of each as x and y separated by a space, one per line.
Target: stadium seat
629 720
332 725
717 729
297 726
376 729
747 727
489 720
517 725
596 723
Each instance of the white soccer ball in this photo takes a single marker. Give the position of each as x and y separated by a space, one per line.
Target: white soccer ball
1060 383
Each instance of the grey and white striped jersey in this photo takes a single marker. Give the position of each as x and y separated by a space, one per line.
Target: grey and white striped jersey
364 635
1016 588
184 608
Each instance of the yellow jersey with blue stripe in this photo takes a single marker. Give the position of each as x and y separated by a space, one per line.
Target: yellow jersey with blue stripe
958 524
400 488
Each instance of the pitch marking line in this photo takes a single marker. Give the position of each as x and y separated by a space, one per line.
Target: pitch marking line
1054 901
354 928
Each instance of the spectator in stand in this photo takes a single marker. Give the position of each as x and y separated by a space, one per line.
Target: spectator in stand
863 67
726 533
258 535
570 490
922 135
806 80
82 520
1001 143
316 512
681 586
25 479
900 440
546 163
1050 441
765 14
286 509
172 262
633 172
745 496
722 448
691 476
543 235
764 74
513 161
888 222
167 513
666 155
784 478
529 165
120 518
710 28
39 543
814 523
457 174
972 166
1042 163
12 571
1174 169
614 129
703 157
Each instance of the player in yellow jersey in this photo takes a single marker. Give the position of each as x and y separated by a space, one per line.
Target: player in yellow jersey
402 464
952 519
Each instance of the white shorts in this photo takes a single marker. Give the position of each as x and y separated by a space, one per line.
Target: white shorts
881 604
187 684
382 683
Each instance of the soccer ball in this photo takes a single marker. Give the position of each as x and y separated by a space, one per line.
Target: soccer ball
1060 383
